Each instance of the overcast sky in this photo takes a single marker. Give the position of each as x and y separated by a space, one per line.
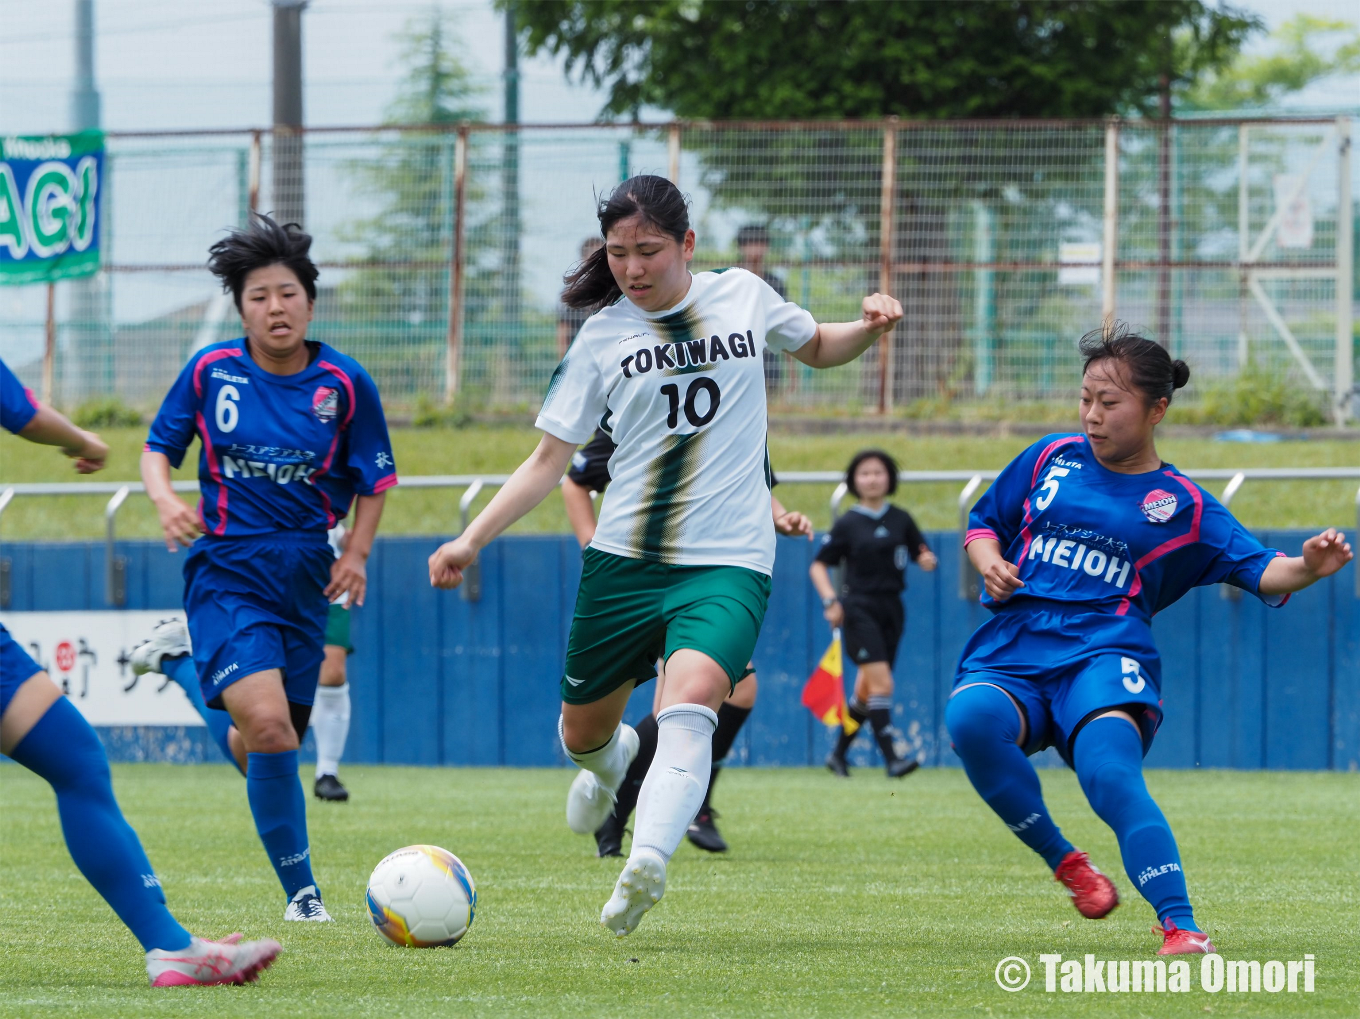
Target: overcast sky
206 63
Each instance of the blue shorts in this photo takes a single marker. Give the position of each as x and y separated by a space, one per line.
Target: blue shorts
1065 665
16 668
257 603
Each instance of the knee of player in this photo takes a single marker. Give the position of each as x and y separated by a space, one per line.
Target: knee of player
582 735
271 736
1110 782
978 716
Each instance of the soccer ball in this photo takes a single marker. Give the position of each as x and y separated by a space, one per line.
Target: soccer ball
421 897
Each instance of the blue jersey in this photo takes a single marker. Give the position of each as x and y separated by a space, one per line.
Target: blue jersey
1124 544
17 404
280 452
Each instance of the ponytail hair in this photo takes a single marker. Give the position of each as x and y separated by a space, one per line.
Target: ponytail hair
662 206
1150 368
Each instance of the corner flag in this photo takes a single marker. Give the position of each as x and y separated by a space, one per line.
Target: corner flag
824 692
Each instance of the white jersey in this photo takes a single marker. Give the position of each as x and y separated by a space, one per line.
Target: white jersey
682 393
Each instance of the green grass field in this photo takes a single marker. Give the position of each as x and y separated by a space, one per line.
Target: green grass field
860 899
498 450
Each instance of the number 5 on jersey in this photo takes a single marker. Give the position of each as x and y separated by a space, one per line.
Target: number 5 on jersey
1050 487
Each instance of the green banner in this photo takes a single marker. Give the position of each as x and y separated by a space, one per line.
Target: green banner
50 223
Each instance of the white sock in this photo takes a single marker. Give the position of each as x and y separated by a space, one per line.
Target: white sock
674 788
330 725
609 762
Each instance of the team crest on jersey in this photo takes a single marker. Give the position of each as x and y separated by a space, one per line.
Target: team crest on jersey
1158 506
325 403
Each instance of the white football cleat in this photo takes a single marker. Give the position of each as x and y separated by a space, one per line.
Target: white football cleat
306 905
170 637
229 961
590 801
639 888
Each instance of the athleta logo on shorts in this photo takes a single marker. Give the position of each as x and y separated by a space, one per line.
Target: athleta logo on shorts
1158 506
574 682
325 403
221 674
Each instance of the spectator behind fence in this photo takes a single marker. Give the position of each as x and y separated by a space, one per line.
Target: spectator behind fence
753 244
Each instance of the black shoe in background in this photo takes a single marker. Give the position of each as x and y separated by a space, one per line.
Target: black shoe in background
837 766
704 833
328 787
902 766
609 837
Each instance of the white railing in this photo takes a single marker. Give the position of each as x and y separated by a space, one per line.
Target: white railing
115 571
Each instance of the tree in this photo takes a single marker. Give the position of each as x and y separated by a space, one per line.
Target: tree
1296 59
400 296
825 59
813 59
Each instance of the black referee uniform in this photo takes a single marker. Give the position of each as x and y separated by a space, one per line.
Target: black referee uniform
590 464
874 549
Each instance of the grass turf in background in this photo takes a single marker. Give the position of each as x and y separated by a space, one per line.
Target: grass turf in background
499 450
867 898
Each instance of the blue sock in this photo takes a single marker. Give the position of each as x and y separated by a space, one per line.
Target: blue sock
280 810
181 670
1109 762
64 750
984 726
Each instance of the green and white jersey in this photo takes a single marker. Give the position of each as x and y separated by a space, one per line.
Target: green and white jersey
682 392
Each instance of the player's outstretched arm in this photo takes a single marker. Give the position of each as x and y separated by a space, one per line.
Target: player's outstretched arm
51 428
841 342
349 573
1323 555
527 487
179 523
1001 578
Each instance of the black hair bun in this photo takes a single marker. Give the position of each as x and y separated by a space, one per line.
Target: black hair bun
1180 374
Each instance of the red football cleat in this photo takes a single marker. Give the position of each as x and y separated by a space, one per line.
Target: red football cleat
1178 942
1092 892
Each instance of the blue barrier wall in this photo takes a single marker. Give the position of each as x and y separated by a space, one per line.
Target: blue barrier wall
439 680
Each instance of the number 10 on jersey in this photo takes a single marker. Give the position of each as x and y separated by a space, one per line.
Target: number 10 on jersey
703 384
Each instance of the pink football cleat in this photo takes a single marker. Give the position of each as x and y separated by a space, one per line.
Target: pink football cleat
1178 942
229 961
1092 892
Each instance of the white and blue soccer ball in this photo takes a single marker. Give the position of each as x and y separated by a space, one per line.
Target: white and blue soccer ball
421 897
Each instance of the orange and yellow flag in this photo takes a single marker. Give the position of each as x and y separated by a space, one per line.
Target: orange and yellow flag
824 692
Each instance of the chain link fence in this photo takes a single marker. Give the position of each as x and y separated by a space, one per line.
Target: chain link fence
442 250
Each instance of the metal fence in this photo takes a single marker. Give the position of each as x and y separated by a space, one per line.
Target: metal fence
442 249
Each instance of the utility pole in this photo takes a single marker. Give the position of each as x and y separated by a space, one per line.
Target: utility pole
91 348
84 97
1164 330
289 191
510 179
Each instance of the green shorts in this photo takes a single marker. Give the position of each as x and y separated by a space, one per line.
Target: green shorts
337 628
630 612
